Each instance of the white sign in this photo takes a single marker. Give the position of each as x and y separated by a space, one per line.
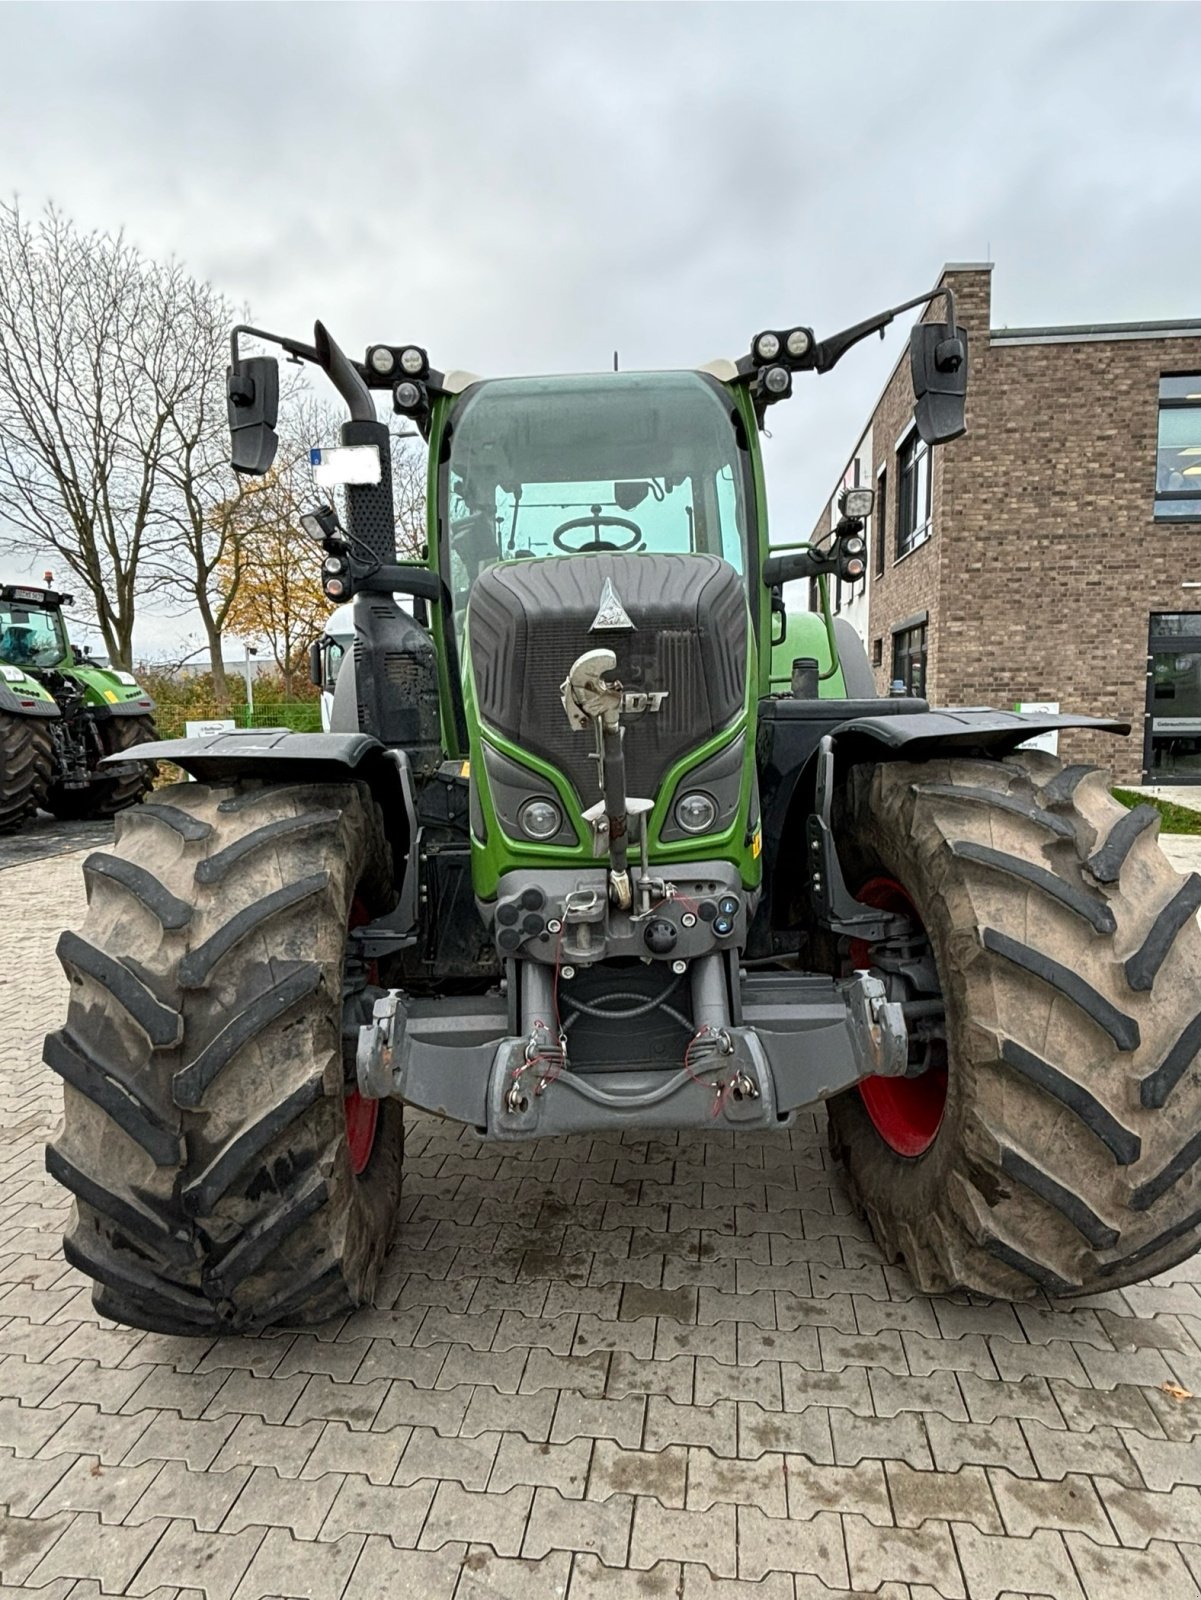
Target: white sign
209 730
345 463
1176 724
1048 741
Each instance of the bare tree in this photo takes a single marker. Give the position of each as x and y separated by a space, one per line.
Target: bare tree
410 464
199 562
84 358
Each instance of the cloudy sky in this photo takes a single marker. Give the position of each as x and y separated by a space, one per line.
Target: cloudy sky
527 188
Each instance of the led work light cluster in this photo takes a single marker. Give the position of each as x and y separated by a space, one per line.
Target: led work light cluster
778 356
409 366
322 526
850 547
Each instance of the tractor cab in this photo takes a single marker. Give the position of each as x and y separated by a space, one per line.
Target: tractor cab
33 635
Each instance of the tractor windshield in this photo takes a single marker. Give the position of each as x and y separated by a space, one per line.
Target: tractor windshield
640 461
30 638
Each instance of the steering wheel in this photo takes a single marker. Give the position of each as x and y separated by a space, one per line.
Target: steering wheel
596 521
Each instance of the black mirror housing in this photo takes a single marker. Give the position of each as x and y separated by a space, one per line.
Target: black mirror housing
938 362
315 663
252 390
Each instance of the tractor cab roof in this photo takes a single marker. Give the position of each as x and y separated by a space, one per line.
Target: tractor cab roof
31 595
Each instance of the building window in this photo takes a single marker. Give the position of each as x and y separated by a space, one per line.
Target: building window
909 659
877 652
881 507
913 493
1178 457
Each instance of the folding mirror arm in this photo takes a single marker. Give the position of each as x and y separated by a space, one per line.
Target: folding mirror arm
325 353
827 352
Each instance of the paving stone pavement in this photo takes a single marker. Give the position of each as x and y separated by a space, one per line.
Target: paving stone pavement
596 1368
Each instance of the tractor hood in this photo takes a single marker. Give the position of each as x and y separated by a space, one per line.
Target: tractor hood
677 624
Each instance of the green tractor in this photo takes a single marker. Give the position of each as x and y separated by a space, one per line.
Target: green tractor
61 715
581 853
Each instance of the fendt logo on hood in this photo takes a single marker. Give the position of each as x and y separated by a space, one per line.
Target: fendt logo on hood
611 615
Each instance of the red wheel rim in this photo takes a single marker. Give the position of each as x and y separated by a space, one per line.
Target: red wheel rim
362 1115
362 1118
906 1112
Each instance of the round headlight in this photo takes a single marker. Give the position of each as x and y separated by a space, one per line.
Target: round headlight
334 588
407 395
777 380
798 342
382 360
332 564
767 346
412 360
540 819
696 812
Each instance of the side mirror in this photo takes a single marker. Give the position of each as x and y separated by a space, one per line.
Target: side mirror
938 359
252 389
315 663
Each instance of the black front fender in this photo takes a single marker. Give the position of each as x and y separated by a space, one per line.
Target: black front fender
276 755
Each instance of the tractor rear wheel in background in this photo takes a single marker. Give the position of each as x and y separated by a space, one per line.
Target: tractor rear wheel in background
105 796
25 758
1051 1140
226 1175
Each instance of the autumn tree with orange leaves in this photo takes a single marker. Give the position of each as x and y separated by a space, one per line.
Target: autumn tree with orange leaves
271 575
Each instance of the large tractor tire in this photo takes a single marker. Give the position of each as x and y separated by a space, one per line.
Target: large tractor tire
104 797
1053 1142
25 755
226 1176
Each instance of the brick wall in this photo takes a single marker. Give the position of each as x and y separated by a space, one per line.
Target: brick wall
1045 562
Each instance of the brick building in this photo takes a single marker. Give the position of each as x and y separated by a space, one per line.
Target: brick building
1053 554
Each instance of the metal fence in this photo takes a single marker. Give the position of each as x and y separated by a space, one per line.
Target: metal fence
301 716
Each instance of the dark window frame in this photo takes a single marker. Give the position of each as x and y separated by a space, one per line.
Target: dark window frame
880 520
1169 497
910 648
911 534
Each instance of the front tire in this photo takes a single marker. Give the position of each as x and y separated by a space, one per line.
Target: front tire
1069 956
205 1133
25 755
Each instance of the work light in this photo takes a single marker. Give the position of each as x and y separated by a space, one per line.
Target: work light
381 359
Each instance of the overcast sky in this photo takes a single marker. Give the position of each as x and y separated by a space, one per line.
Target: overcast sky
527 188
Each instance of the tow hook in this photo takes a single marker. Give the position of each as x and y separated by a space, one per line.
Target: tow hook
878 1032
379 1041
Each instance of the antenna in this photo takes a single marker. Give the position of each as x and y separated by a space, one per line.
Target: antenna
616 368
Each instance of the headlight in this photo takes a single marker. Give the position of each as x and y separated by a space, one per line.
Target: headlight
777 380
412 360
540 819
767 346
798 342
407 396
696 812
382 360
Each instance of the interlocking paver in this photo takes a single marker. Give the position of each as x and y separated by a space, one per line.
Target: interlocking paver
90 1485
597 1367
1037 1565
285 1566
359 1506
771 1544
95 1549
559 1466
24 1484
24 1542
343 1449
213 1563
962 1496
496 1519
924 1555
428 1454
1113 1574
